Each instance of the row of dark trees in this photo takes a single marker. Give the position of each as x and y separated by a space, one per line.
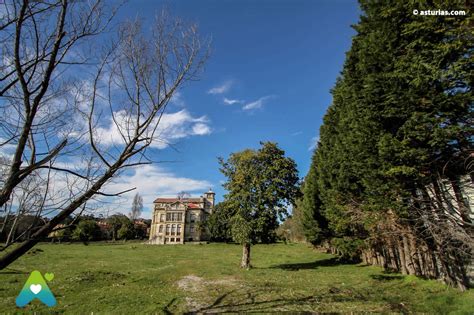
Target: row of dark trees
84 228
391 172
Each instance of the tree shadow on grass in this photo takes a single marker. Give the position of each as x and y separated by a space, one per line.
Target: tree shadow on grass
329 262
10 271
389 277
248 303
257 301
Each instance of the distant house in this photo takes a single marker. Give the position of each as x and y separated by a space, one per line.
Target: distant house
57 231
179 220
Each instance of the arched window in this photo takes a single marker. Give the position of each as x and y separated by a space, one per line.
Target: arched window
179 229
161 228
167 229
173 229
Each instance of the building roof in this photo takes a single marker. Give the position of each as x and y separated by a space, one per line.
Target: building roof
171 200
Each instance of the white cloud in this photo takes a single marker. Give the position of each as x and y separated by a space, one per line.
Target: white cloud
313 143
171 127
201 129
7 149
231 101
224 87
153 181
258 103
177 99
297 133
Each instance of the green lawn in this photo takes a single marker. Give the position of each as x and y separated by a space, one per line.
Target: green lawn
135 278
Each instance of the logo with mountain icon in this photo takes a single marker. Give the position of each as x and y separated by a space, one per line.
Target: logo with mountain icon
36 288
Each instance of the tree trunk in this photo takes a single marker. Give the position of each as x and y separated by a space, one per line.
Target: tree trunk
11 234
245 256
462 206
410 264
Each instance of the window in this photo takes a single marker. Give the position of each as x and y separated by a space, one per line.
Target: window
167 229
179 229
173 229
167 240
193 217
191 229
172 239
178 239
161 229
162 218
173 216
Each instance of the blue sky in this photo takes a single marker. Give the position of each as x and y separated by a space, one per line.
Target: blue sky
276 61
268 78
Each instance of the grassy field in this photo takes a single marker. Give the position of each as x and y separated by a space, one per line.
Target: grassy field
134 278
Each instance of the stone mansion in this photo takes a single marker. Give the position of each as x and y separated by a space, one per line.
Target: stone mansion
177 220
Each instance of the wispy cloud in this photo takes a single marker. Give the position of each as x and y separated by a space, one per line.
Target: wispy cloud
221 89
177 99
296 133
258 103
231 101
313 143
171 127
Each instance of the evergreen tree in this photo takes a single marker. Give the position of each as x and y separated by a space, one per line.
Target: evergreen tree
399 129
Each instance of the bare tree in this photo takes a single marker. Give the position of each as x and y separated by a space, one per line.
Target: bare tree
137 207
80 133
184 195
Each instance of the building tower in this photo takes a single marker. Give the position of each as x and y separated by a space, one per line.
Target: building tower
210 196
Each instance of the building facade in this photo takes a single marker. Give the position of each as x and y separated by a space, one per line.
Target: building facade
179 220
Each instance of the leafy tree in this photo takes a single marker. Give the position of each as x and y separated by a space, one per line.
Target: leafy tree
261 184
126 231
86 231
120 222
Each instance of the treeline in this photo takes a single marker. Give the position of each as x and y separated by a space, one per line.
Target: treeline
84 229
390 176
